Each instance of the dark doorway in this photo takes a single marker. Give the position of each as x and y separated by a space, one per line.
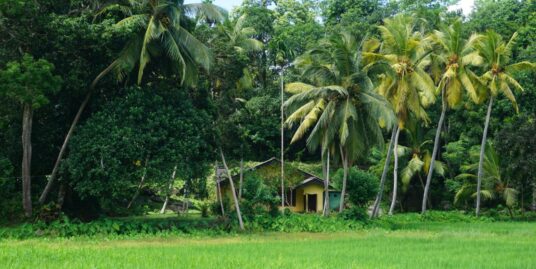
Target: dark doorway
311 203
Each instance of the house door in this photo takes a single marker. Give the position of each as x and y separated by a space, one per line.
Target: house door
311 203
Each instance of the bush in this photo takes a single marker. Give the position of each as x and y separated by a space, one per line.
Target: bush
141 133
355 213
65 227
361 186
258 198
302 223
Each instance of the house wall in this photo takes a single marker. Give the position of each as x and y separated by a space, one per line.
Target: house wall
306 190
299 192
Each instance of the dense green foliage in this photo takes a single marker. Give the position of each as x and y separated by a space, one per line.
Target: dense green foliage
362 186
167 83
139 133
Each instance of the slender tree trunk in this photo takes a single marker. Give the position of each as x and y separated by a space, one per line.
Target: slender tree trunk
434 153
326 188
218 191
481 161
50 182
241 183
139 185
170 186
282 145
344 178
235 198
378 200
27 116
395 173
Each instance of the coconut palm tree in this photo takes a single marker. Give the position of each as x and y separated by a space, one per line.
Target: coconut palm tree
497 78
494 185
405 83
456 55
417 150
340 104
159 32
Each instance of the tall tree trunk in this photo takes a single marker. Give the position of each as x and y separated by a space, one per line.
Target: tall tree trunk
344 159
282 145
326 188
50 182
170 187
233 190
27 116
395 172
377 202
241 183
139 185
218 191
434 152
481 161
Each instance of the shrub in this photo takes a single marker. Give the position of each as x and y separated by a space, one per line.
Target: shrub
361 186
258 198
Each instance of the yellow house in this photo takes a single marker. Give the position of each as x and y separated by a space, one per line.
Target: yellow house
304 191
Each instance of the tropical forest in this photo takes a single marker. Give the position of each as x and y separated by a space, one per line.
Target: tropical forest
267 133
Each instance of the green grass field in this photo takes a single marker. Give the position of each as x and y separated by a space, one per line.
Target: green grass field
424 245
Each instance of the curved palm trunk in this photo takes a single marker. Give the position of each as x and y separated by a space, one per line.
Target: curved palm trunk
434 153
378 200
50 182
233 190
481 161
344 178
395 173
27 116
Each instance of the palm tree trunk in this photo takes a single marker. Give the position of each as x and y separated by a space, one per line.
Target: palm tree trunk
434 153
282 146
481 161
378 200
395 173
233 190
50 182
344 178
326 188
163 210
27 116
139 185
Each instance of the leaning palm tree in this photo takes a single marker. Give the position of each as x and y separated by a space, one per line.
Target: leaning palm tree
405 83
497 78
159 31
456 55
339 104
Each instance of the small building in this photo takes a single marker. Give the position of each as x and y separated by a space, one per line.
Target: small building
304 191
